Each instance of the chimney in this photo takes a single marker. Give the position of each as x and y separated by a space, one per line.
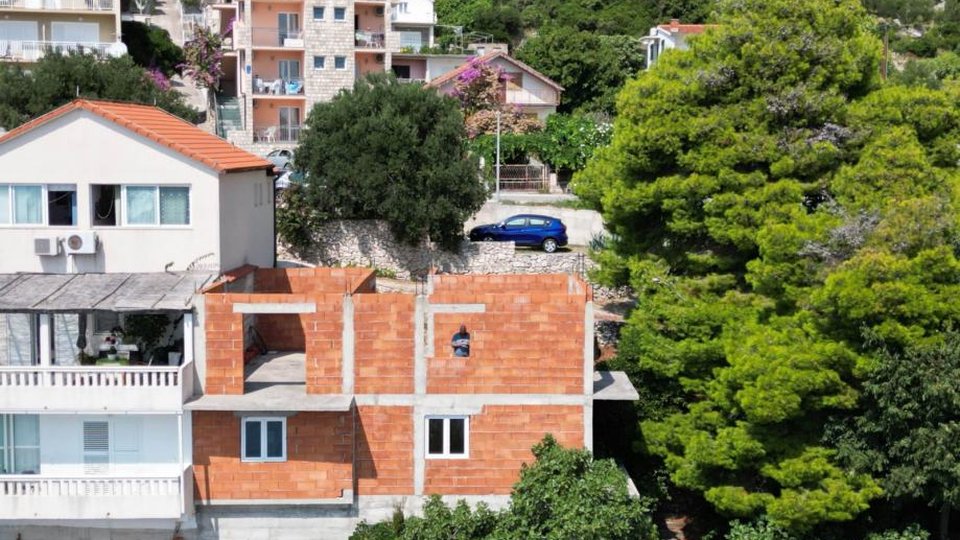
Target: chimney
674 25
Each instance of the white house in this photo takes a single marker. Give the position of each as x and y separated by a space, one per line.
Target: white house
112 218
526 88
670 36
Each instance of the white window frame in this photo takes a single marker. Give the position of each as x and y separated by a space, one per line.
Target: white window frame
323 65
323 13
10 445
335 19
446 436
156 199
262 420
44 210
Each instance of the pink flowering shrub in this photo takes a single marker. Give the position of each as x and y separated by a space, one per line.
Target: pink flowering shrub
481 89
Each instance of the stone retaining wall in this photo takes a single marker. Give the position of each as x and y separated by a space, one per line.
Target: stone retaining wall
370 243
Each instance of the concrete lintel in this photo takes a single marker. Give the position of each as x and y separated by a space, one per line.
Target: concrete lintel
275 308
451 411
243 414
588 426
457 308
346 500
451 401
347 365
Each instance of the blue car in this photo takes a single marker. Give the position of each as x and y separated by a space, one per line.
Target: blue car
546 232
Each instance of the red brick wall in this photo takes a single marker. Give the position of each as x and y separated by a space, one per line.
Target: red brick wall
384 343
319 459
524 342
224 345
282 332
385 450
500 441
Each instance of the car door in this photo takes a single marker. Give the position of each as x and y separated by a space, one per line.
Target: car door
513 230
536 230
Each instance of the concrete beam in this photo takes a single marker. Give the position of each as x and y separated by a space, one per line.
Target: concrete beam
419 345
275 308
588 349
450 401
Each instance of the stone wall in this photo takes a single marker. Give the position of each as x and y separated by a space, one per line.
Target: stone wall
371 244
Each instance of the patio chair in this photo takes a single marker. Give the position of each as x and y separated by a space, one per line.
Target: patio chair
270 134
294 87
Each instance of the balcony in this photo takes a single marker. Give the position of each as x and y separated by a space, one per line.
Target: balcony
276 37
95 388
402 14
271 134
277 87
43 497
59 5
369 40
31 51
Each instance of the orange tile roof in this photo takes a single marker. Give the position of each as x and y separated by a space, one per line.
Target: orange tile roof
675 27
450 75
161 127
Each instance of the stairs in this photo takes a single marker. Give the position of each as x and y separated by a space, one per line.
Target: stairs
229 117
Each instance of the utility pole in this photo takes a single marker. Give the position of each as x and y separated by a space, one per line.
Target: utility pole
498 156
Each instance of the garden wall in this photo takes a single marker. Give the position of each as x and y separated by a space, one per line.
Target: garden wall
371 244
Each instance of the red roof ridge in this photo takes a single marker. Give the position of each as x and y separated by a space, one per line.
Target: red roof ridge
225 157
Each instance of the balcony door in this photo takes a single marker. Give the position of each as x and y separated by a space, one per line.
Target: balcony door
111 444
289 69
289 123
288 25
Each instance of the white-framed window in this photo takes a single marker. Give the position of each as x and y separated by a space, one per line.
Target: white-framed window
156 205
19 444
340 62
339 13
448 437
263 439
319 12
38 204
319 62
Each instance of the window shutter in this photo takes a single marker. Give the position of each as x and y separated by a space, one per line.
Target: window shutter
96 447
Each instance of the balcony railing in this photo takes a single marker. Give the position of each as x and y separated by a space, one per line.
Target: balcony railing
411 81
34 50
369 40
93 388
278 87
276 37
59 5
271 134
49 497
413 16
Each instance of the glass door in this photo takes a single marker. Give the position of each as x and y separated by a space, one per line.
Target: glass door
288 25
289 123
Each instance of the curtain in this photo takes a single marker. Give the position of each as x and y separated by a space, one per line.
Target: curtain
4 204
27 204
141 205
175 206
16 339
26 444
66 329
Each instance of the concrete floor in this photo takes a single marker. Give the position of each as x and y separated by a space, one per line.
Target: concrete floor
278 367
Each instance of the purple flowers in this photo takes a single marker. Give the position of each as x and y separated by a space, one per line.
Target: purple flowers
158 79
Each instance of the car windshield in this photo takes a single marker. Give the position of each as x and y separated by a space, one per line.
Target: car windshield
274 153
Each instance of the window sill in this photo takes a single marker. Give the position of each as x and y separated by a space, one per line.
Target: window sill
446 457
264 460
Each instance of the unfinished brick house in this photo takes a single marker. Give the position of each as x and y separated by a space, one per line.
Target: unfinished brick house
322 394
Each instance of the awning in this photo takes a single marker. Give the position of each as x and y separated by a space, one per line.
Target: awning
51 293
613 386
273 398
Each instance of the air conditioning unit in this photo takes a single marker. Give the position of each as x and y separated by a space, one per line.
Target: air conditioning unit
379 11
46 247
379 58
80 243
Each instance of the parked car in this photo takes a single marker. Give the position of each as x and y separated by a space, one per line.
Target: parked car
281 159
547 232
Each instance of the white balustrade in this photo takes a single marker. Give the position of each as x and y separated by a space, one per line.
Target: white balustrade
37 486
52 497
59 5
89 376
35 50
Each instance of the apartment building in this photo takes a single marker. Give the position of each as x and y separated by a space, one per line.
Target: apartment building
29 29
325 402
112 218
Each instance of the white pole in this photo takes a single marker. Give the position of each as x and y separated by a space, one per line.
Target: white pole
498 155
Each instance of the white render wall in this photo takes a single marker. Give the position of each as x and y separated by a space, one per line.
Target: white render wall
82 148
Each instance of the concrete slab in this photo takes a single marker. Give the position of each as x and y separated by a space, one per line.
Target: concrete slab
613 386
281 367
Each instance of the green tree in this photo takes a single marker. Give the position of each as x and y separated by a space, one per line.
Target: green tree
151 47
781 222
565 493
908 432
58 79
591 67
391 151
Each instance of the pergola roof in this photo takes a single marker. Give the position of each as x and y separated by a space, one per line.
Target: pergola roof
51 293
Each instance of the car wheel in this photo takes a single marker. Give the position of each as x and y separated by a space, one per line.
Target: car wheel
549 245
488 238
